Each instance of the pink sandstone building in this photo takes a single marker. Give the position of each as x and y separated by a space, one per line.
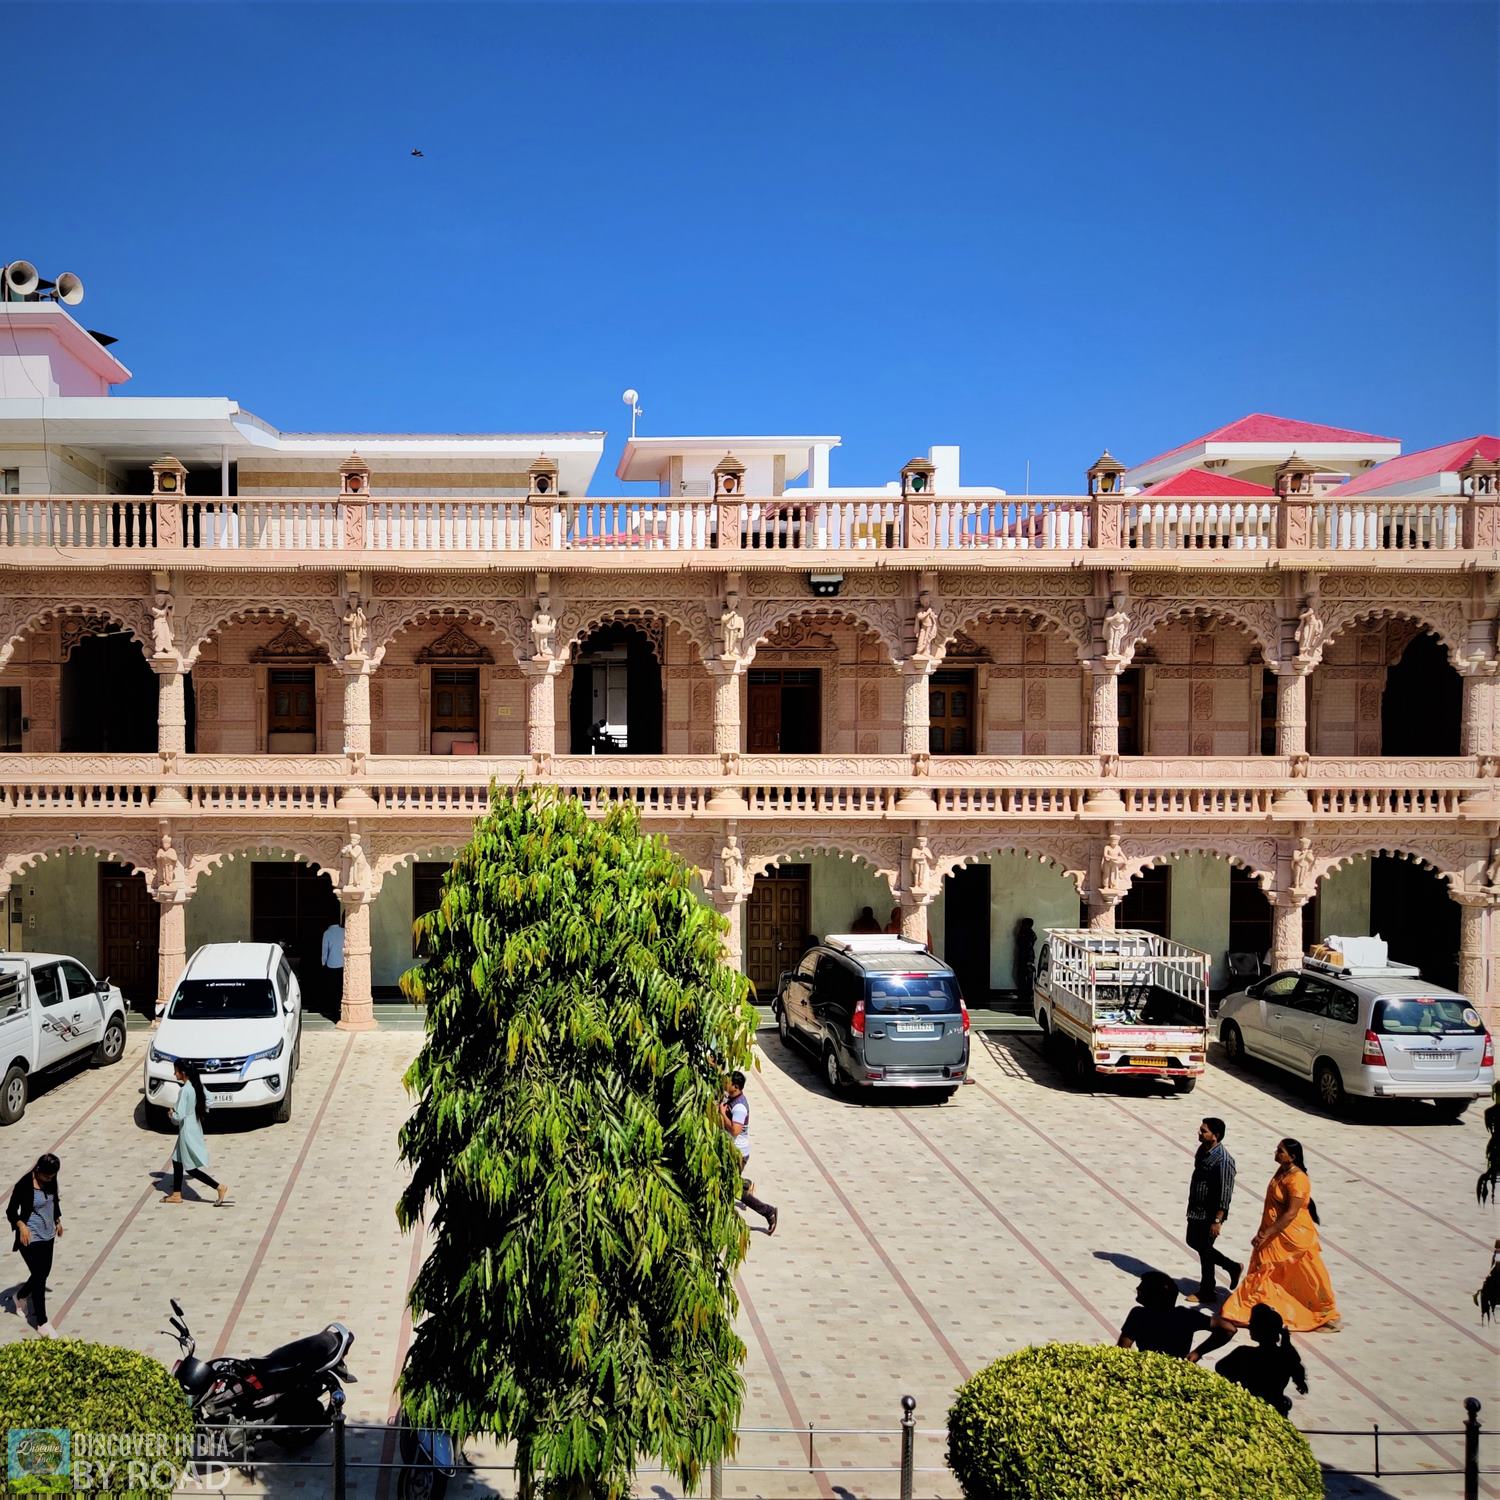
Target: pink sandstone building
254 681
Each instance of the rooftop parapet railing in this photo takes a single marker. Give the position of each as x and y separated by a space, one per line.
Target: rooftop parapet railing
481 526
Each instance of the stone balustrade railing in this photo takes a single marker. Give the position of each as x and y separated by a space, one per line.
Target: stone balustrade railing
373 528
990 787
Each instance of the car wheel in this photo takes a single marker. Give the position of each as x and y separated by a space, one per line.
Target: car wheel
783 1026
421 1483
944 1095
1082 1065
831 1069
282 1112
1330 1087
1451 1109
111 1046
1184 1085
297 1049
13 1096
1233 1043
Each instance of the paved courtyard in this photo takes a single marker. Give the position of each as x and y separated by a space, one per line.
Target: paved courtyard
916 1243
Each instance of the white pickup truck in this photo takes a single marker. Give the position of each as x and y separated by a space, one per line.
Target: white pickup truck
52 1009
1123 1002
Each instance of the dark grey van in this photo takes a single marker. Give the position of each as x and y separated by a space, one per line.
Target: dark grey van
878 1012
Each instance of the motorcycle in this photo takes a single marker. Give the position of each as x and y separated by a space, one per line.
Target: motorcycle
288 1395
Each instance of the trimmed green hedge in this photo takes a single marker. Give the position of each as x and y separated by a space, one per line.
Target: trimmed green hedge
98 1391
1091 1422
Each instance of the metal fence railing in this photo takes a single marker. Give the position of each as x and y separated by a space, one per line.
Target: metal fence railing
363 1458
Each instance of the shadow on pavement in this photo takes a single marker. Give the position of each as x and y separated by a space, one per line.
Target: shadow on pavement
794 1062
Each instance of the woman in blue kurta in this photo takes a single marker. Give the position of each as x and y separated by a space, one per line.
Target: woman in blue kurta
190 1154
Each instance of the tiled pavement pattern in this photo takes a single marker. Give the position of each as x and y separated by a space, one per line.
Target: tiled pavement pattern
916 1243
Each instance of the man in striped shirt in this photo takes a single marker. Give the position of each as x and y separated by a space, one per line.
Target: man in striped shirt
1209 1192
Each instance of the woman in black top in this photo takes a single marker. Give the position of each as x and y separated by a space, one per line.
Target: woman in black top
1265 1369
35 1214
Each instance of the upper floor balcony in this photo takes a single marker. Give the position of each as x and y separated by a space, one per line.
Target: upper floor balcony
881 530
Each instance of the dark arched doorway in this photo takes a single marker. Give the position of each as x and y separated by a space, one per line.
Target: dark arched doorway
1421 710
108 699
616 702
1411 909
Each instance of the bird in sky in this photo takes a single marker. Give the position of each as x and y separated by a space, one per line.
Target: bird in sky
415 152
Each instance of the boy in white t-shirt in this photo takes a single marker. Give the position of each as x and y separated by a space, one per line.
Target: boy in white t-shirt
734 1108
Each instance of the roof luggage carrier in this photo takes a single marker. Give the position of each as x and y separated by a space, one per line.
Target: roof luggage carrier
872 942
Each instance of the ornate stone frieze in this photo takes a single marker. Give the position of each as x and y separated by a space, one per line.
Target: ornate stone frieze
289 644
455 645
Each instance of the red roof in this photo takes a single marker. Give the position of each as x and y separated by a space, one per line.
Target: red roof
1445 459
1259 427
1203 482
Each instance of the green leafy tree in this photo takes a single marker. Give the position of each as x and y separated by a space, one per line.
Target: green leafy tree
579 1297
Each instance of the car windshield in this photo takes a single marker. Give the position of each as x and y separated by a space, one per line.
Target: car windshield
1425 1017
912 994
223 1000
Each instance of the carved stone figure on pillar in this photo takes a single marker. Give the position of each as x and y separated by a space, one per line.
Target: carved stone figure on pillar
358 626
922 866
731 868
925 627
543 629
168 866
732 629
354 866
1116 628
1304 884
1113 865
162 643
1309 632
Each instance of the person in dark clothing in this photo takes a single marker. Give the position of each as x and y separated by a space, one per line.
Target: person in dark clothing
35 1214
1024 960
1157 1325
1209 1193
866 921
1270 1365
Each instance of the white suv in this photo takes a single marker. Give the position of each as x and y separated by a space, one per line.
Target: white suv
1377 1032
236 1014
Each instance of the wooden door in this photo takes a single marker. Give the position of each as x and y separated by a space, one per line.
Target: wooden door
1128 711
1147 905
292 904
128 934
950 712
763 736
776 925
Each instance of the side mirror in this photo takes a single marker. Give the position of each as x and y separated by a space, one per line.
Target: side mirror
177 1307
101 986
786 975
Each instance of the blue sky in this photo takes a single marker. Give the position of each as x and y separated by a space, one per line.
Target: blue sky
1034 230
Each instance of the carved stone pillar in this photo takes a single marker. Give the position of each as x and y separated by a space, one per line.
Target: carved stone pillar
1481 698
1477 977
1291 707
914 917
915 705
356 670
1286 930
171 705
1101 913
171 942
1104 708
357 1005
726 673
541 710
731 906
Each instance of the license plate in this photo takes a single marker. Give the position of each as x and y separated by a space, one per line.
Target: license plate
1148 1062
219 1099
1434 1057
915 1028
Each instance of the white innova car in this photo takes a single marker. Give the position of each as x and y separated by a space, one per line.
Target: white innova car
237 1015
1374 1031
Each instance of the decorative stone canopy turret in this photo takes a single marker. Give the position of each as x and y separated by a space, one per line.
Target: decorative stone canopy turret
729 478
1295 476
543 477
354 476
917 475
1480 476
168 476
1104 474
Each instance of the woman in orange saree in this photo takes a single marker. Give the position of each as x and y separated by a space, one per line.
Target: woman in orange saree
1286 1268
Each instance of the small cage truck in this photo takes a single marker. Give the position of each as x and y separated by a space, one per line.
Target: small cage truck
1123 1002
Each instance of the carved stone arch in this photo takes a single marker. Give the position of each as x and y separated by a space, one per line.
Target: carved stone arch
1068 618
321 851
882 618
1446 858
1259 620
1068 857
1449 622
388 864
882 855
201 622
1256 855
24 615
137 850
579 621
388 618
